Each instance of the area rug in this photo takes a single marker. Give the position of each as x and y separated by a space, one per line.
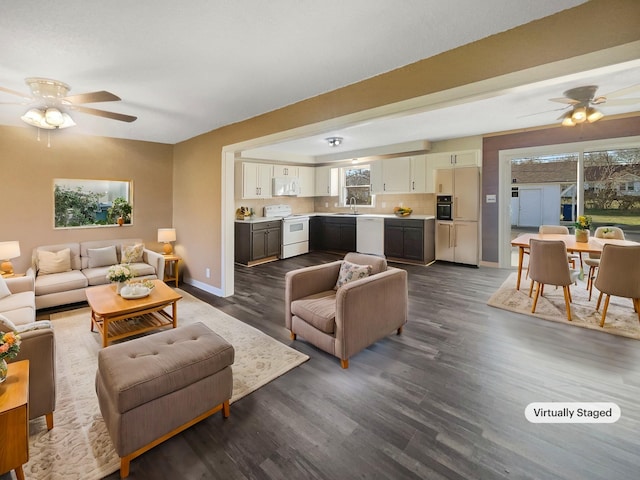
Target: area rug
621 319
79 447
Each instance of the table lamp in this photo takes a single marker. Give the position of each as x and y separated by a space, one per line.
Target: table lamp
8 250
166 236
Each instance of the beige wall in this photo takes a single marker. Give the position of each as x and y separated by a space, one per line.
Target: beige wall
198 163
29 167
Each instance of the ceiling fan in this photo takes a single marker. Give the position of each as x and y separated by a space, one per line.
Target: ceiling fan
581 100
51 99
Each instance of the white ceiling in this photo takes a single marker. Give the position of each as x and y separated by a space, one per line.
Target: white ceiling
185 68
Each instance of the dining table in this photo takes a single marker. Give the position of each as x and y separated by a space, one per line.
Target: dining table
594 245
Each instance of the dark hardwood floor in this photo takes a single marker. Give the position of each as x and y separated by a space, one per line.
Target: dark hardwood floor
444 400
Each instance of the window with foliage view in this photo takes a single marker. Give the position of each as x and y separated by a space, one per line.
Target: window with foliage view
612 186
357 185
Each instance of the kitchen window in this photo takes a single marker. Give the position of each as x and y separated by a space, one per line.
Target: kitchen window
356 183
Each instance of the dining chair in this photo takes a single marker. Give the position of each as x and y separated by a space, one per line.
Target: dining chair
561 230
593 261
548 266
619 275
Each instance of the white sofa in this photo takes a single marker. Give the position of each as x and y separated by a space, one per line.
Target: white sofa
67 287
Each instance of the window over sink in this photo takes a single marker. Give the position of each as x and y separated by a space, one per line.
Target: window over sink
355 181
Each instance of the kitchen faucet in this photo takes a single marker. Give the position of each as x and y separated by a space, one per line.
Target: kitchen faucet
352 205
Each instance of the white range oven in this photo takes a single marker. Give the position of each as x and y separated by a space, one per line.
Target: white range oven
295 230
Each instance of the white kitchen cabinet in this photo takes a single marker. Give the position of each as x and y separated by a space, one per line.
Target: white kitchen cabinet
307 176
419 174
457 242
326 181
463 184
285 171
396 175
256 180
444 181
439 161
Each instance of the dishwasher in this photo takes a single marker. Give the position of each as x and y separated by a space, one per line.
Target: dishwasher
370 235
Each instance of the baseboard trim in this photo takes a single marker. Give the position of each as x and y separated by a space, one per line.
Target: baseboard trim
203 286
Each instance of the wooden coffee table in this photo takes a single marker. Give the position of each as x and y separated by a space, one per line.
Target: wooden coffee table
116 317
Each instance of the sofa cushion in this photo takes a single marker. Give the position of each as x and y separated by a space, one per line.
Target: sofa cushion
4 289
19 307
96 276
318 310
74 252
102 257
132 253
54 262
60 282
142 269
350 272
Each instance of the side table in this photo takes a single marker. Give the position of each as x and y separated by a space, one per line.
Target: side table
14 418
171 268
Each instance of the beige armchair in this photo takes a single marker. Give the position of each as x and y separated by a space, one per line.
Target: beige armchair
17 312
345 321
619 275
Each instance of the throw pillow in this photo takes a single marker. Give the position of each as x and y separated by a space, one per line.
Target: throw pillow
6 325
350 272
132 253
4 288
54 262
102 257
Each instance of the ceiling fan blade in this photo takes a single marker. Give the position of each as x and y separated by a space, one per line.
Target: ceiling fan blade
623 91
103 113
92 97
544 111
13 92
570 101
623 101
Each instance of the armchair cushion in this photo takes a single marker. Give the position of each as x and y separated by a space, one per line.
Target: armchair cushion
6 325
350 272
318 310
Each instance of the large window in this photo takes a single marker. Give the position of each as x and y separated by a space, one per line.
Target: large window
356 181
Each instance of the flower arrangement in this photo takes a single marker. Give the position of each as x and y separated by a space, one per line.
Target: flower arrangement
583 223
9 345
119 273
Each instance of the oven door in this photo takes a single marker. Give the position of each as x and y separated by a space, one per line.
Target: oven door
444 211
295 237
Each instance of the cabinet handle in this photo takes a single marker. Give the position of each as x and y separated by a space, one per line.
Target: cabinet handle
384 187
455 236
455 207
328 189
413 185
451 240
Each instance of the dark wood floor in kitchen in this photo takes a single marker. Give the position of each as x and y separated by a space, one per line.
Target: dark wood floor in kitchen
445 400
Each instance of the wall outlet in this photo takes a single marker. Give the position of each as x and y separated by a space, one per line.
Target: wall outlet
326 204
335 204
384 204
207 272
400 204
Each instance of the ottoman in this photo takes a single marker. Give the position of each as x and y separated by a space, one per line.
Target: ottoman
153 387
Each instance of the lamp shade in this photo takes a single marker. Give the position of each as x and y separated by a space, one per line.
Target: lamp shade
166 235
9 250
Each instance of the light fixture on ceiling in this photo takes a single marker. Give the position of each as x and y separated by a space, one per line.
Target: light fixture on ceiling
48 118
334 141
581 114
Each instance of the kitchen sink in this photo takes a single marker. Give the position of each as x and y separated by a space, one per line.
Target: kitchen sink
347 213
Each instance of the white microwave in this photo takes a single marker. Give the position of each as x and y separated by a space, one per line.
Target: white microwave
286 187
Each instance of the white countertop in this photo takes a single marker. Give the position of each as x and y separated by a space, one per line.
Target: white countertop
334 214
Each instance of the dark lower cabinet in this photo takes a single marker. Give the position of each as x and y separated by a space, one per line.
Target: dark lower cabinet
336 234
409 239
257 241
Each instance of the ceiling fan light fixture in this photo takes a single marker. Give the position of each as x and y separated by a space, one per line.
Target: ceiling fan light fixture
567 121
579 114
35 117
593 115
53 116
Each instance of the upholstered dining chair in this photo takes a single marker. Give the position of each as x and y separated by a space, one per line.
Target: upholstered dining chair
619 275
561 230
548 266
593 260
